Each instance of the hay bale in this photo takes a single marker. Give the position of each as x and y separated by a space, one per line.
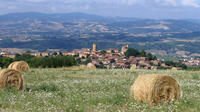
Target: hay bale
21 66
133 67
83 66
175 68
91 66
155 89
11 78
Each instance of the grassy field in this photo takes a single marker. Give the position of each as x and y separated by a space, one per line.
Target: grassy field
74 90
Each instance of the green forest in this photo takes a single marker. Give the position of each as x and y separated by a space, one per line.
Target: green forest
40 62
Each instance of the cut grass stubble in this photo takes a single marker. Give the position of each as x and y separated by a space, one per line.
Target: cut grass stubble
93 91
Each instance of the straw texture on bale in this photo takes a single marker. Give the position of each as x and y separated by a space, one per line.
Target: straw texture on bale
11 78
175 68
21 66
155 89
133 67
91 66
83 66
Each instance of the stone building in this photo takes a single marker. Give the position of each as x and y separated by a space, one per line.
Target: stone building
124 49
94 47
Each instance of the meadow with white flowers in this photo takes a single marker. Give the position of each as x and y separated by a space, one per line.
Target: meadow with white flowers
84 90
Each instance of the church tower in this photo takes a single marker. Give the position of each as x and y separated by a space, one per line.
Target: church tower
127 45
124 49
94 47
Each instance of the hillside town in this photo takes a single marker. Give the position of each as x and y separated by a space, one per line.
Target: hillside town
192 61
115 58
110 58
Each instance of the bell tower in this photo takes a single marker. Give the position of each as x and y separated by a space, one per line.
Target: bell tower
124 49
94 47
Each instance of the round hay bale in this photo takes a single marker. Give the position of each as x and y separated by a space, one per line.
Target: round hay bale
21 66
91 66
11 65
155 89
133 67
11 78
83 66
175 68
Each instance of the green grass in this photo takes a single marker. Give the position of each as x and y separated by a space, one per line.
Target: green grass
68 90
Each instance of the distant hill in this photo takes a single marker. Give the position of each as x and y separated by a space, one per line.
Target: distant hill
69 17
77 30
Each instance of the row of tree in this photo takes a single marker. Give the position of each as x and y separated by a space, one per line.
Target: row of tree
176 64
43 62
137 53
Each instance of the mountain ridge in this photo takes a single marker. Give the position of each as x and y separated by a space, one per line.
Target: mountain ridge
77 30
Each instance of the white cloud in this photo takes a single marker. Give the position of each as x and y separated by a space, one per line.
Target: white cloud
166 2
53 9
129 2
171 2
36 1
152 8
192 3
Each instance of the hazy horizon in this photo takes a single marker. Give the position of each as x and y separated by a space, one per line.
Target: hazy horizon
153 9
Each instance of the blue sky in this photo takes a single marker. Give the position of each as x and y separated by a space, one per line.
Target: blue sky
175 9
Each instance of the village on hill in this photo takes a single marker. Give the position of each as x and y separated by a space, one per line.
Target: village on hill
115 58
110 58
